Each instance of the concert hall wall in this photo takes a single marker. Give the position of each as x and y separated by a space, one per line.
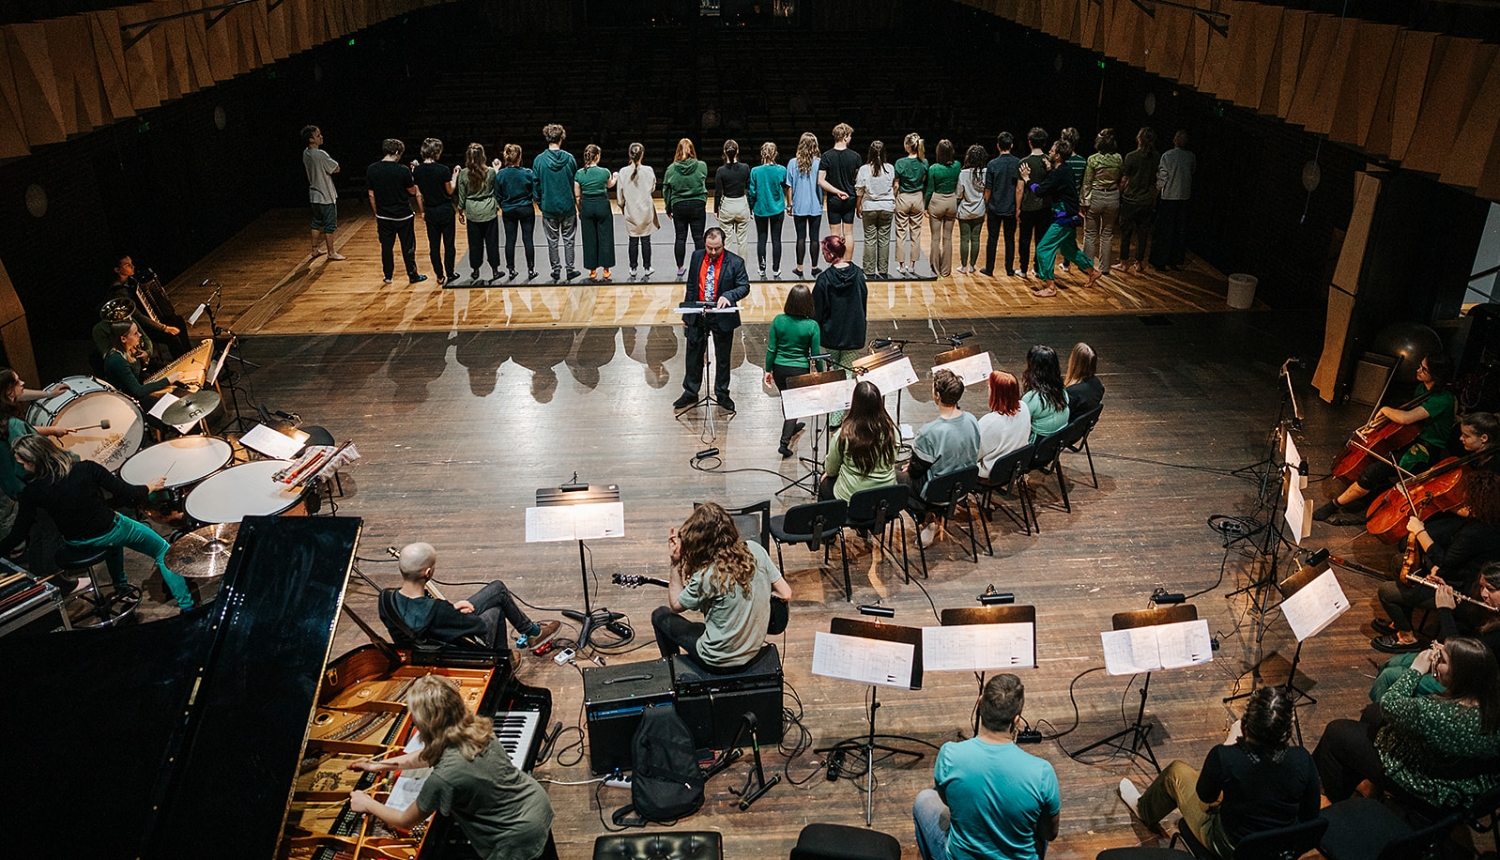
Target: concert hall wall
170 186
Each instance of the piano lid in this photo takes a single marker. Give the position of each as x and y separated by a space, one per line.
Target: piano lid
179 737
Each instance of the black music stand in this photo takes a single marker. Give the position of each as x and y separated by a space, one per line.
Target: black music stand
879 358
570 495
1138 732
991 615
866 743
810 480
1326 612
699 312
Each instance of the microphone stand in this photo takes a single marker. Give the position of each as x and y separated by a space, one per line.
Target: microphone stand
228 337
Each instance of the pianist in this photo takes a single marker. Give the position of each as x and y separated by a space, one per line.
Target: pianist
415 617
504 813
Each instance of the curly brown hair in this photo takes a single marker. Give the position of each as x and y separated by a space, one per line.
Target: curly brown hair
1482 494
709 537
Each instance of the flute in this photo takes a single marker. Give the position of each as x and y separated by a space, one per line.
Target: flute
1412 577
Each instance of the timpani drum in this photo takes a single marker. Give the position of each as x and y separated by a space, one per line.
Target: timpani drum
244 491
89 401
182 461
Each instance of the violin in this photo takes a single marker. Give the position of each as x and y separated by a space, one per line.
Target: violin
1440 488
1374 441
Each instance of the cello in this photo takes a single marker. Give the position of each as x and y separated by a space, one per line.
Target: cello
1376 440
1440 488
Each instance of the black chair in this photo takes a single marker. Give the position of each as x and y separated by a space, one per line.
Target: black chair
1006 476
109 604
817 525
665 845
1077 439
1043 459
753 521
841 842
1363 828
943 496
878 512
1282 843
1072 437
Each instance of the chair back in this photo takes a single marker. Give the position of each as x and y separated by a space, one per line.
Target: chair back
1011 466
1421 843
816 520
1044 450
1282 843
753 521
1079 428
819 841
947 490
876 507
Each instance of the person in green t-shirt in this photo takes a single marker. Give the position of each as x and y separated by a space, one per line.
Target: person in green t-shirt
502 811
591 184
795 338
862 455
730 580
1432 405
911 182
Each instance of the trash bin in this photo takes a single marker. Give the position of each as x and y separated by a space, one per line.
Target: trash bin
1242 291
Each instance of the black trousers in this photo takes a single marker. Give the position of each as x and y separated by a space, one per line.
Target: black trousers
1033 227
484 241
1134 226
641 245
1169 245
688 215
440 232
521 221
697 350
807 227
1345 756
768 227
780 373
495 606
389 231
675 634
998 224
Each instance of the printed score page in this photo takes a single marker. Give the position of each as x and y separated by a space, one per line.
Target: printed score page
575 522
1315 606
409 784
891 378
970 371
1161 646
978 647
813 400
866 661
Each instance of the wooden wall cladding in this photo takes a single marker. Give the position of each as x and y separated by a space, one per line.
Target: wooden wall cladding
71 75
1372 86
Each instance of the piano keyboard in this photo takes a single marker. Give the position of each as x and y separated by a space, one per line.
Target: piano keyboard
516 731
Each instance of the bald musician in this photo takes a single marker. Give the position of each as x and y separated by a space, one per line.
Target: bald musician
413 616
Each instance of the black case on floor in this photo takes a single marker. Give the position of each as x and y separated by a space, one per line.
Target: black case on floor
613 698
713 705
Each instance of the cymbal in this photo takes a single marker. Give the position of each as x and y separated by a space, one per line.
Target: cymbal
191 407
203 554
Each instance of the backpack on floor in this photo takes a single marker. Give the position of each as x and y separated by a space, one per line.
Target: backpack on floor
667 783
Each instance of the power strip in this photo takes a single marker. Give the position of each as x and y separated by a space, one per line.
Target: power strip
617 780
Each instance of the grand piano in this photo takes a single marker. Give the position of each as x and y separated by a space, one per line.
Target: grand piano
187 737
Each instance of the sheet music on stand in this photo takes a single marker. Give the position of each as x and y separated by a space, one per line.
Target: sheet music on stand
1158 646
981 638
1299 508
865 661
276 444
576 515
218 364
888 376
808 401
1314 604
970 364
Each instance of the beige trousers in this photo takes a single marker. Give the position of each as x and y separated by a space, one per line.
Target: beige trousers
942 212
908 226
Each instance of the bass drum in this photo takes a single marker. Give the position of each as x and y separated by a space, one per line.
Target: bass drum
90 401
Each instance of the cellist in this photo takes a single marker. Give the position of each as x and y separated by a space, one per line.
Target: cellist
1434 410
1456 544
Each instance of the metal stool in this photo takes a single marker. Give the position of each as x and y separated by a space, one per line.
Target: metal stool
109 607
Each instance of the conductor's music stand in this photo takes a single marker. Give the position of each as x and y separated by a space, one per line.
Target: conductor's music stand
991 655
849 632
814 395
697 314
579 512
1137 733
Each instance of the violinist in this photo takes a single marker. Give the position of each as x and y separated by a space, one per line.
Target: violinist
1434 410
1455 544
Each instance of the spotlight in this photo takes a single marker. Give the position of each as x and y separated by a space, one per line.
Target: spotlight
881 611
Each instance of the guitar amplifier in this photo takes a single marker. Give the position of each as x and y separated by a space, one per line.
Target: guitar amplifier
613 699
713 704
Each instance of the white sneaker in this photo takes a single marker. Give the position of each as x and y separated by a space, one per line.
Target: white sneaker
648 271
928 534
776 274
632 273
1132 797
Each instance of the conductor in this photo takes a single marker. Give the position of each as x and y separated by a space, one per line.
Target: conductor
717 276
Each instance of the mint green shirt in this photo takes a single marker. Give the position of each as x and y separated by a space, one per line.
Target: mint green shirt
848 479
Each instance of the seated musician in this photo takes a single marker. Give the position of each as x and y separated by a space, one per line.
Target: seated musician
153 309
1455 544
125 362
415 617
120 310
731 581
1443 749
72 493
1259 782
504 813
1481 623
945 444
1433 407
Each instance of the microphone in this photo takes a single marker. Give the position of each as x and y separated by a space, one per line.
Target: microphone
822 356
1299 363
206 282
1161 597
880 343
960 338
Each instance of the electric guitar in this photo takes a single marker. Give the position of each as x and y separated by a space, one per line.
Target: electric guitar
780 612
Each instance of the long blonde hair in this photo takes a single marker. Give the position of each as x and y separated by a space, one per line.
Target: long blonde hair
914 143
685 151
1082 364
440 714
807 150
477 167
49 462
710 537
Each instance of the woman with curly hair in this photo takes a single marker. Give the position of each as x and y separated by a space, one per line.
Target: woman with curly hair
502 811
1258 782
730 580
1043 393
807 201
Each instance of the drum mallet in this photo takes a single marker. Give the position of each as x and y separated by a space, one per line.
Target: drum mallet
102 425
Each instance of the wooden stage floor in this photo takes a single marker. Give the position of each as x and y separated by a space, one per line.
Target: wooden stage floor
459 428
272 286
